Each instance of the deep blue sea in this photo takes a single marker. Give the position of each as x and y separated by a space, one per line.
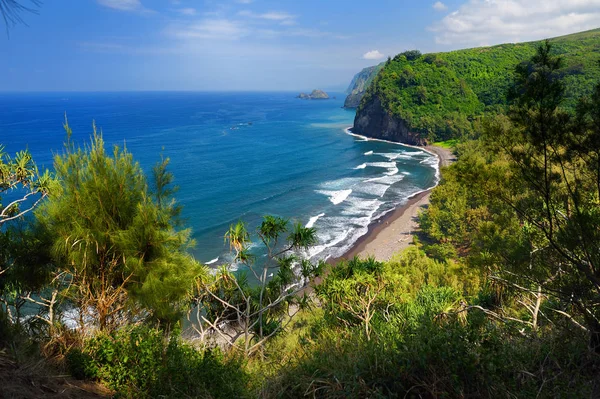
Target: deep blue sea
237 156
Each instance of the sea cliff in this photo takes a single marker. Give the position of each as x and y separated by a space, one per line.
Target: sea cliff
373 120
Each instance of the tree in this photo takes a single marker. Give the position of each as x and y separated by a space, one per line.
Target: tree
353 292
228 305
553 187
115 247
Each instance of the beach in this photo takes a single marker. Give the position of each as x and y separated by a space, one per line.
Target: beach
394 231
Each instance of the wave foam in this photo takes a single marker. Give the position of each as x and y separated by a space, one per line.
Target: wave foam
391 167
369 153
362 166
336 197
392 171
387 165
313 220
379 185
392 156
215 260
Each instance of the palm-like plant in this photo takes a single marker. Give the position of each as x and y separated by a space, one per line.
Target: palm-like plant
238 238
22 176
258 312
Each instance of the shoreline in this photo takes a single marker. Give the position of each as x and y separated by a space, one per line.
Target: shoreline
393 231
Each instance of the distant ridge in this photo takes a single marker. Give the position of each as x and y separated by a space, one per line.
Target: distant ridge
359 85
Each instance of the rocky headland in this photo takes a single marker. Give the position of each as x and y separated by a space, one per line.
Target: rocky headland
373 120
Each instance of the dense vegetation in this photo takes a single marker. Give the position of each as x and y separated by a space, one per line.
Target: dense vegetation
498 298
445 95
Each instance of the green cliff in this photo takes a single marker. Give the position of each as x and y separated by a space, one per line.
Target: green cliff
419 98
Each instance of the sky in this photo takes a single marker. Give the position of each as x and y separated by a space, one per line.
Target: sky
255 45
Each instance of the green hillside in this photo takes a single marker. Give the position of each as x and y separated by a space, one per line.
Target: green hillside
440 95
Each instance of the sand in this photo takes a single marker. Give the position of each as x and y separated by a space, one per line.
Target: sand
394 232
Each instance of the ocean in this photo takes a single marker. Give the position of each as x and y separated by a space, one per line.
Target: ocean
237 156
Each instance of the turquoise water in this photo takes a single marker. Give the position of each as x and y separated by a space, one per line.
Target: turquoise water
237 156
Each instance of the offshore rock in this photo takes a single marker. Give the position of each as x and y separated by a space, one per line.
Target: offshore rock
315 95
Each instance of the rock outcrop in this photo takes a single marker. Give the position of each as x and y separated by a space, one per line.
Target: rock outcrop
359 85
372 120
315 95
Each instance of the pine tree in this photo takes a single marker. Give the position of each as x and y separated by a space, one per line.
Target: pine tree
117 251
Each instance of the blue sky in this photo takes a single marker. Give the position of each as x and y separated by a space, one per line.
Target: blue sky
256 44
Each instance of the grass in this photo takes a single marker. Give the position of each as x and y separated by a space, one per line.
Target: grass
450 144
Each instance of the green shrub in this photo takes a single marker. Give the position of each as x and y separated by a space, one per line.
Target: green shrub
81 365
439 354
141 362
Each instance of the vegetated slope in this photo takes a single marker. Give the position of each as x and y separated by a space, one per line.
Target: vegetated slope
418 98
359 85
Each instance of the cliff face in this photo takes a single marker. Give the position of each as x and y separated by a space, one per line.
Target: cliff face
372 120
359 85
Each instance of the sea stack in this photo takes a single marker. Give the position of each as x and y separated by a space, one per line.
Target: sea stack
315 95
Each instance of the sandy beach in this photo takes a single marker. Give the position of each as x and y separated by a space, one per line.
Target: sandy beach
394 231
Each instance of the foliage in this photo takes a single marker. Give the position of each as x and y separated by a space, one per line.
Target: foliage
443 95
116 249
522 202
141 362
449 144
464 219
226 304
21 174
12 10
554 162
420 351
24 262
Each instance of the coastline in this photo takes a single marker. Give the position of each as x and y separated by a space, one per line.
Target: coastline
393 232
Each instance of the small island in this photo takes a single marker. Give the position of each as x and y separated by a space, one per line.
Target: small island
315 95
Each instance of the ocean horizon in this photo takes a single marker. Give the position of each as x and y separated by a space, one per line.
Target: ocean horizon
236 156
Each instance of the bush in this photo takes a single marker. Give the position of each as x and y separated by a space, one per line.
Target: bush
141 362
81 365
439 355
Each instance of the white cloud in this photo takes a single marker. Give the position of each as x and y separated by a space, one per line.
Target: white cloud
439 6
122 5
215 29
276 16
373 55
479 22
283 18
187 11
